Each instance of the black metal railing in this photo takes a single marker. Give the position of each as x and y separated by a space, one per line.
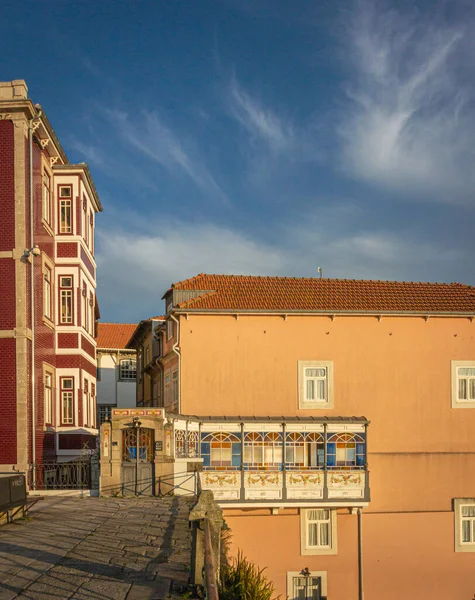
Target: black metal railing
53 475
183 483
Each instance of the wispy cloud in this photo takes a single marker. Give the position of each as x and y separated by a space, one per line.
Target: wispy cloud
261 122
148 134
411 116
324 239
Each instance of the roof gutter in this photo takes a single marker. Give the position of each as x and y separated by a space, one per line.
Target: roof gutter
177 351
326 313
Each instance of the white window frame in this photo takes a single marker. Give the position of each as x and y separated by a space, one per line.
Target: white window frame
290 582
126 370
302 387
170 329
67 401
48 397
305 548
455 366
460 545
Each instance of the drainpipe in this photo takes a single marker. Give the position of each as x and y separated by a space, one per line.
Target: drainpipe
360 555
177 351
32 294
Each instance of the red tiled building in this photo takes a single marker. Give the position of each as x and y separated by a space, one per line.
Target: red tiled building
47 345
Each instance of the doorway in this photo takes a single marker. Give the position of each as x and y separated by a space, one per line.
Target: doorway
137 461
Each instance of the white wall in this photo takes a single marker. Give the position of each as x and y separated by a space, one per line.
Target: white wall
109 389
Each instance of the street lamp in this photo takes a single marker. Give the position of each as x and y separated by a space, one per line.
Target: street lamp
306 573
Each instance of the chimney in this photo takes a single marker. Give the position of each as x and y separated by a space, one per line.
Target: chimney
13 90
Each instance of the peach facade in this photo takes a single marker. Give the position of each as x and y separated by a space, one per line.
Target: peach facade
397 372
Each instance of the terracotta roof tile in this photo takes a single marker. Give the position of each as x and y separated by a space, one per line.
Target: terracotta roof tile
242 292
114 335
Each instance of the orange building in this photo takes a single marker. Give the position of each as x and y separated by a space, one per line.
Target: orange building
334 423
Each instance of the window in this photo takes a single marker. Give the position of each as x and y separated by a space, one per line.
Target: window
315 384
221 451
127 369
306 585
170 329
463 384
464 509
147 355
175 387
91 313
157 391
46 198
318 531
346 451
262 451
93 405
67 400
85 224
48 398
65 216
105 413
86 402
85 307
47 293
167 391
304 451
91 231
66 300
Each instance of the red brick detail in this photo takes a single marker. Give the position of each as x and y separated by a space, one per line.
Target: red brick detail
88 263
8 447
67 340
7 277
69 441
88 347
66 250
74 361
7 185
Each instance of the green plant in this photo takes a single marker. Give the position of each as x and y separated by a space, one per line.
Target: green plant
243 580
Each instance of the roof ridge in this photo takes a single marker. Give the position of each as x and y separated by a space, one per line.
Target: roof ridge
336 279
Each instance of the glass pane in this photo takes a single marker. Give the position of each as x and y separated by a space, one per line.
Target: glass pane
468 510
466 371
466 530
324 534
472 389
462 389
321 389
312 534
315 372
310 395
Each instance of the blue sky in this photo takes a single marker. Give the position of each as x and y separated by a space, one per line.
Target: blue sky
260 137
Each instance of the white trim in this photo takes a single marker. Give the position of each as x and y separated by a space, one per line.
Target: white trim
315 364
305 549
456 403
282 504
292 574
461 546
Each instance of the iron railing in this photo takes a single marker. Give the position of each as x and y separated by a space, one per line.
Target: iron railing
53 475
183 482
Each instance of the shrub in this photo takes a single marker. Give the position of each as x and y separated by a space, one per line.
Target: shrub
243 580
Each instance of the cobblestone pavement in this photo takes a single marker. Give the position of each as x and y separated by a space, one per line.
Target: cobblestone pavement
97 548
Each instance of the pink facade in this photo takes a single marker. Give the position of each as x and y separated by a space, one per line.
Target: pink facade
48 295
388 508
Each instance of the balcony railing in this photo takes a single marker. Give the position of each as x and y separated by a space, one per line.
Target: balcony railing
319 460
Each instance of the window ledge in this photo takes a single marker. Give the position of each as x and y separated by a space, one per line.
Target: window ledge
47 227
48 322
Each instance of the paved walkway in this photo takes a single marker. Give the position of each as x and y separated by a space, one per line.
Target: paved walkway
97 548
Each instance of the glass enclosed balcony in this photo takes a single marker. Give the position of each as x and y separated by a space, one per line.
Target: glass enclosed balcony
288 460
